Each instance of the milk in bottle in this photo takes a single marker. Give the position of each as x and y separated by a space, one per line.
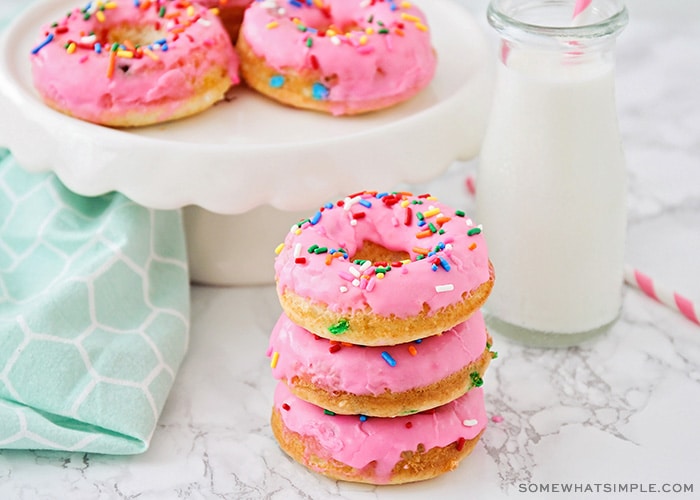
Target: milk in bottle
551 180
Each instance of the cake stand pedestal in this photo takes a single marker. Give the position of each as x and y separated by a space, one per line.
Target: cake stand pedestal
247 169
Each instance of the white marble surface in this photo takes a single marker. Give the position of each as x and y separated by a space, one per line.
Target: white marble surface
621 409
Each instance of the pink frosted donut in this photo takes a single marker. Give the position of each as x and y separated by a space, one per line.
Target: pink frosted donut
336 56
378 450
130 63
383 269
380 381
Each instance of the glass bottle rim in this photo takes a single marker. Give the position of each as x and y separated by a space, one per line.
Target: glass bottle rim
502 15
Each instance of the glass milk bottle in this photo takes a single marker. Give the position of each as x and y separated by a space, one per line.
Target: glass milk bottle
551 188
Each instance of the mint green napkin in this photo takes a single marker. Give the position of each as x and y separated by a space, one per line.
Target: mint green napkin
94 315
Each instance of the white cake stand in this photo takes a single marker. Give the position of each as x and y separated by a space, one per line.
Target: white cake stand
246 169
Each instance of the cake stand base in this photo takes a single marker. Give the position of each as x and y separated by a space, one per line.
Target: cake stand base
238 249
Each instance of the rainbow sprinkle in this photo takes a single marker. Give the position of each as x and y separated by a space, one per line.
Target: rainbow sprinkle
340 327
49 38
277 81
460 444
389 360
319 91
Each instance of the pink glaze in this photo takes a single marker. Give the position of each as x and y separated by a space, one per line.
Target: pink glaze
349 440
403 290
360 62
81 81
363 370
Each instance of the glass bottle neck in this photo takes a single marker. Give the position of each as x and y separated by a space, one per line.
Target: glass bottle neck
541 38
551 22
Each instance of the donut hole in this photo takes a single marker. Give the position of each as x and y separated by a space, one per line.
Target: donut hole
138 35
376 252
340 27
325 19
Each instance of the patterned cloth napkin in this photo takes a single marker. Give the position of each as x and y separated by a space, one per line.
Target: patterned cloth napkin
94 315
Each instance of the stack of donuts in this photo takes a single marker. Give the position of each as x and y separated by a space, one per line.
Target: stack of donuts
381 347
128 63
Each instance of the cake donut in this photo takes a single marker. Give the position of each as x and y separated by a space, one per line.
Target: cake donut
378 450
380 381
338 56
230 12
382 269
128 63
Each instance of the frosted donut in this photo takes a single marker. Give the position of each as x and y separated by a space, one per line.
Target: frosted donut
230 12
380 381
378 450
383 269
127 63
337 56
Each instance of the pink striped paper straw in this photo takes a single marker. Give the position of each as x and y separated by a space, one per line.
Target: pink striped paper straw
580 6
669 298
471 185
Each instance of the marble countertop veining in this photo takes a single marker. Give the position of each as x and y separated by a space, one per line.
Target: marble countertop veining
622 409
